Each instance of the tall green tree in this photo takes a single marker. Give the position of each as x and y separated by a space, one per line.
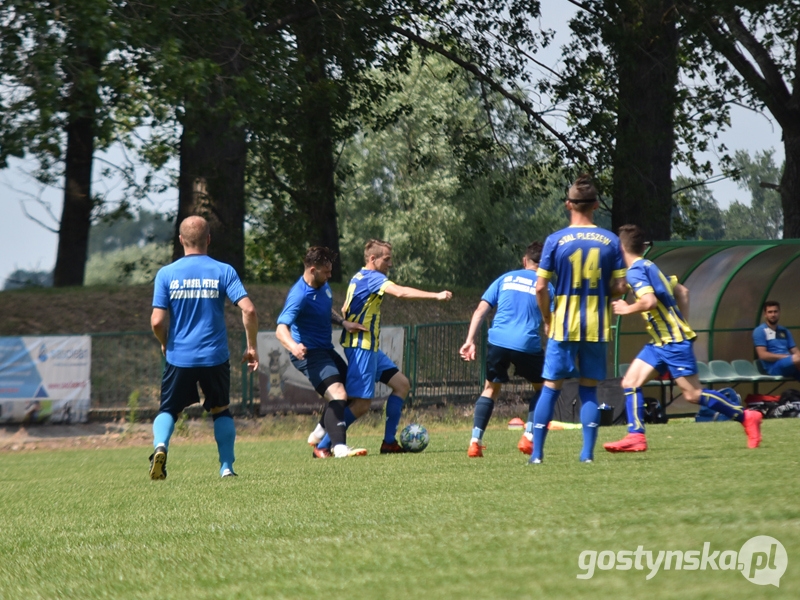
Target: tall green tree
68 92
763 218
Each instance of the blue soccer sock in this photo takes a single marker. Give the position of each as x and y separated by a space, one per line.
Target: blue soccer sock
634 407
483 412
542 416
163 426
722 404
590 419
531 408
394 407
225 434
349 419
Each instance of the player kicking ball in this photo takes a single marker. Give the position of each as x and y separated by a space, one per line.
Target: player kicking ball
514 338
664 305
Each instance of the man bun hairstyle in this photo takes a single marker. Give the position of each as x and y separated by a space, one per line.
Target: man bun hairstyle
583 193
318 256
632 239
534 251
375 247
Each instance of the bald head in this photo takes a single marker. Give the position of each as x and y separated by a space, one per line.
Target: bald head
194 234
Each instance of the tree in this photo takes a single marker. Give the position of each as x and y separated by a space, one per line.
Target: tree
763 219
70 94
695 213
760 41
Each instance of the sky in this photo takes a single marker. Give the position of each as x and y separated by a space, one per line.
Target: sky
25 244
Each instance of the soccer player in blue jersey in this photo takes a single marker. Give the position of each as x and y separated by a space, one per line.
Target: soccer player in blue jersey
775 345
367 363
514 338
664 305
304 329
189 320
586 263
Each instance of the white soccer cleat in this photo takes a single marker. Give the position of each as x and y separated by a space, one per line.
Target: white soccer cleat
228 473
315 437
342 451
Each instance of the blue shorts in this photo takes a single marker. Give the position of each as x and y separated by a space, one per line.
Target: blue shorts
526 365
783 367
179 387
677 358
322 367
364 368
565 360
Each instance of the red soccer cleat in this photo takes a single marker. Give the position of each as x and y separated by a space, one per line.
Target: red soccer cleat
525 445
633 442
321 452
752 427
392 448
475 450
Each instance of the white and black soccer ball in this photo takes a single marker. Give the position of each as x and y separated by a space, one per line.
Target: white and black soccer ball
414 438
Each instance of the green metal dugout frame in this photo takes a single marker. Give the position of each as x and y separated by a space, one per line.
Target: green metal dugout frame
730 280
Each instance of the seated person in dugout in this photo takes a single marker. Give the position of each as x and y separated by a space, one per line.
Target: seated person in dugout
774 344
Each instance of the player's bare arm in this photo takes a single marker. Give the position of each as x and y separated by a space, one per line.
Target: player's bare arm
348 326
284 335
766 355
409 293
467 351
643 304
619 287
543 300
159 323
681 293
250 322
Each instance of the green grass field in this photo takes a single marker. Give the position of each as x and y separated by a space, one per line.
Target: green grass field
90 524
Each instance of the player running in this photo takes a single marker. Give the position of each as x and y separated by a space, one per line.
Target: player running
664 305
513 339
304 329
586 262
367 363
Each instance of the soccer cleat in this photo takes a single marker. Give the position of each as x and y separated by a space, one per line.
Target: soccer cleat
633 442
752 427
158 463
342 451
315 437
228 473
321 452
535 461
392 448
525 445
587 461
475 450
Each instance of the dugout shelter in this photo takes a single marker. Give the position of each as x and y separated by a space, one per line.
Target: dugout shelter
728 282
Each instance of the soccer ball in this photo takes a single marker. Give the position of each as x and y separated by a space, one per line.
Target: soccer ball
414 438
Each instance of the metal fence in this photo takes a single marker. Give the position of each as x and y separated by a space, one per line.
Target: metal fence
131 362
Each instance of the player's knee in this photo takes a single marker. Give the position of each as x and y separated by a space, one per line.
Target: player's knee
221 412
400 385
359 406
692 396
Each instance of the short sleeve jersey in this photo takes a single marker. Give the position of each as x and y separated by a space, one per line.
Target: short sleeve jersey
363 305
307 312
194 289
518 320
583 260
777 341
665 323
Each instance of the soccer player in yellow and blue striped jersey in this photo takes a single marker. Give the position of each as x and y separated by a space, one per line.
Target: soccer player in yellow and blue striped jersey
664 305
366 363
586 263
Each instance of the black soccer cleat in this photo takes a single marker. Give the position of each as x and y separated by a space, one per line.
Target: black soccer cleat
158 463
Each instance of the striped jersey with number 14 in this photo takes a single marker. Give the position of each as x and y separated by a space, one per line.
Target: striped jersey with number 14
583 260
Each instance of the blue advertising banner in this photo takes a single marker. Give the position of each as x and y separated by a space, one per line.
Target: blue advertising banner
45 378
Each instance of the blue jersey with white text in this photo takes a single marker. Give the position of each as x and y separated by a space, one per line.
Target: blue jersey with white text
363 305
777 341
307 311
194 289
665 323
583 260
517 322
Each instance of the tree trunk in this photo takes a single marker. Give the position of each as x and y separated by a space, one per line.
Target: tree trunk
790 182
317 196
76 215
647 47
211 182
